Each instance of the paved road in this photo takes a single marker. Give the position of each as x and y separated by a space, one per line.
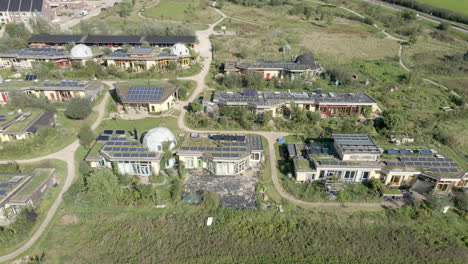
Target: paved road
66 25
68 155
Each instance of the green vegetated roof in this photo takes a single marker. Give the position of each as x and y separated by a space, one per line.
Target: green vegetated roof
21 125
40 176
303 164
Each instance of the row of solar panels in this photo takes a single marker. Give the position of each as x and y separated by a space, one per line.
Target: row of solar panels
214 149
424 152
226 155
425 159
65 84
124 149
134 155
5 184
443 170
333 162
30 77
228 138
423 164
117 132
107 138
119 143
3 119
234 144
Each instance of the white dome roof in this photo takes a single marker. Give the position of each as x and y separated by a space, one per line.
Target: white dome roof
180 50
154 139
81 51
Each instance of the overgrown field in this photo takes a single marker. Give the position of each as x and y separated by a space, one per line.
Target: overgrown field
132 235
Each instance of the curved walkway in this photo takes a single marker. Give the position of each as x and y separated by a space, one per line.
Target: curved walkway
67 154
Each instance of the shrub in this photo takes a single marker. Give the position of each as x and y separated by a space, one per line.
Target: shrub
176 189
78 108
195 107
86 136
210 200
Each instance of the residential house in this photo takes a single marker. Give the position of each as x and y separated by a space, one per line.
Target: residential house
303 68
152 99
55 91
279 103
19 125
20 190
221 154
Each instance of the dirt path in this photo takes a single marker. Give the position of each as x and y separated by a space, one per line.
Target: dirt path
68 155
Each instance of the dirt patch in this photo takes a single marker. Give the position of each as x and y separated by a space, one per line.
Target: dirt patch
69 219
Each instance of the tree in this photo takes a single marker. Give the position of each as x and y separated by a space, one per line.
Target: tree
444 26
124 9
195 107
182 92
15 30
69 46
266 117
461 203
84 168
172 66
41 25
103 187
409 15
78 108
438 202
86 136
393 120
176 189
210 200
182 169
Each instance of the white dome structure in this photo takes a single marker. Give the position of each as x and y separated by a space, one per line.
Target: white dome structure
154 139
180 49
81 51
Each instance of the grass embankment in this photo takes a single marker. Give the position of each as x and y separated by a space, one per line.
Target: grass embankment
162 236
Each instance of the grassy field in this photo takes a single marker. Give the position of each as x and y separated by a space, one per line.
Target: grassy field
455 5
190 11
149 235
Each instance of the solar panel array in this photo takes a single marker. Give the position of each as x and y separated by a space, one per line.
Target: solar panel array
215 149
5 184
2 118
118 138
443 170
103 138
118 54
234 144
65 84
333 162
123 149
228 137
426 159
134 155
38 52
226 155
424 152
2 192
119 143
30 77
144 93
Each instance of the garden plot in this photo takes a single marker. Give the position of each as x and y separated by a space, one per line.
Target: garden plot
236 192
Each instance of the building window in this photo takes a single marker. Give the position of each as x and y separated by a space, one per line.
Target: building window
255 156
365 176
189 163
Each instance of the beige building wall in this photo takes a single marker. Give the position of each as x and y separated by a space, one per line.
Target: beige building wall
398 178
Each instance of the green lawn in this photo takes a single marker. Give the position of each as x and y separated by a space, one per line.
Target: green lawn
460 6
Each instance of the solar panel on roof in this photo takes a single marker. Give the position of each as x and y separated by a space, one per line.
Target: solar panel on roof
117 155
102 138
4 184
392 152
134 155
125 155
108 149
424 152
184 148
120 132
2 192
108 132
151 155
452 170
144 93
142 155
